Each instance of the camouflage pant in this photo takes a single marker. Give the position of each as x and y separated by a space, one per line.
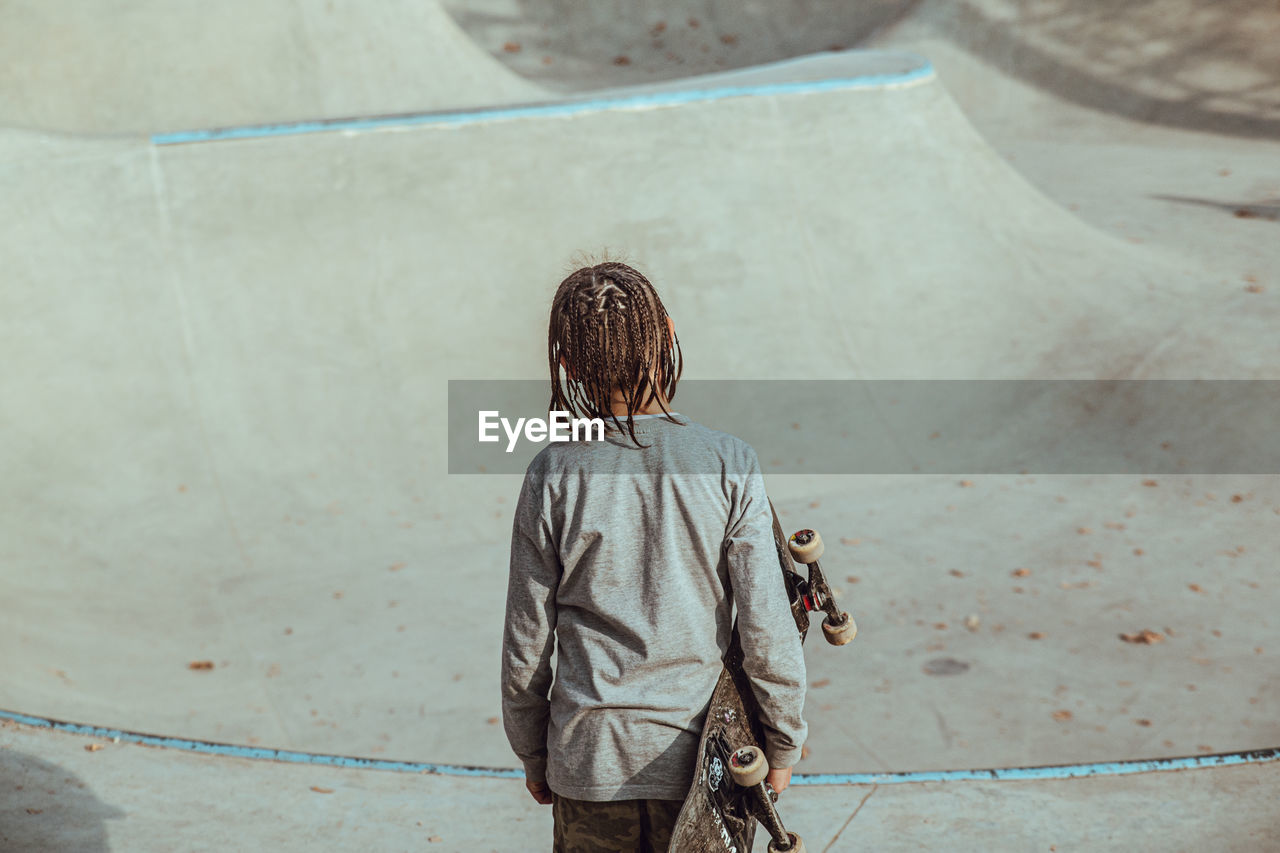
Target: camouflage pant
621 826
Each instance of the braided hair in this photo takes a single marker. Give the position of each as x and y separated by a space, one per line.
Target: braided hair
609 332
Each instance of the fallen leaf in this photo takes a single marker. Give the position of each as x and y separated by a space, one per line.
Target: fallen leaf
821 682
1145 637
320 790
200 664
1062 716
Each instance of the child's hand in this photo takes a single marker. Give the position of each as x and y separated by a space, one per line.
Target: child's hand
779 779
542 793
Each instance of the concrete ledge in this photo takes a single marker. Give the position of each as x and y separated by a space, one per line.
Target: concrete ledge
818 73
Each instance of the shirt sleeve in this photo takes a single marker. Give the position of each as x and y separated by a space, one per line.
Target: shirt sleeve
529 634
773 656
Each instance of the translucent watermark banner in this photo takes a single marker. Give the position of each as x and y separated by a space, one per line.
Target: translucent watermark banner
960 427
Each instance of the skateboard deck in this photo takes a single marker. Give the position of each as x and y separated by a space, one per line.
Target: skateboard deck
718 813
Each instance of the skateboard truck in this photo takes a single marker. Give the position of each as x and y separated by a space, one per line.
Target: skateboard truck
838 626
748 768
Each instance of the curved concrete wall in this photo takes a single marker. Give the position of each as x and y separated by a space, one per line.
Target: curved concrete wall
140 67
226 420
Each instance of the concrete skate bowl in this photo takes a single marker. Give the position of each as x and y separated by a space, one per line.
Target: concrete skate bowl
1210 67
225 438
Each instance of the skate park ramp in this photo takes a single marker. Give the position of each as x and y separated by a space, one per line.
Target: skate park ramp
1178 63
1155 121
225 448
142 67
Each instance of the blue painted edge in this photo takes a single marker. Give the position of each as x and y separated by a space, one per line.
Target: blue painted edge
286 755
1056 771
1051 771
559 108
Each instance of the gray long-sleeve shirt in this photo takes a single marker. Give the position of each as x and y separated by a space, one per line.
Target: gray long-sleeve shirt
633 558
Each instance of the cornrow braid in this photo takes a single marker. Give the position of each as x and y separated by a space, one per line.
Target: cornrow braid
608 331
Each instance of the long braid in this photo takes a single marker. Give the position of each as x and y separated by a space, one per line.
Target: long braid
609 328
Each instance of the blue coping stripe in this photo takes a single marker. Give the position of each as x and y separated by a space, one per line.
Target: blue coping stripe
1050 771
233 751
1055 771
559 108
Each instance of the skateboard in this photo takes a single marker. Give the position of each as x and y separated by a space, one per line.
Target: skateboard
729 794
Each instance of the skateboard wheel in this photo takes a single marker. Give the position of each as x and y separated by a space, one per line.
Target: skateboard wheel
747 766
805 546
797 845
838 634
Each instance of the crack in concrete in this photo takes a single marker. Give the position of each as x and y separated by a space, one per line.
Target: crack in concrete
850 820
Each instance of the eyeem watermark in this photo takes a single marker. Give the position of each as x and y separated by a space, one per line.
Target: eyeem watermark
561 427
961 428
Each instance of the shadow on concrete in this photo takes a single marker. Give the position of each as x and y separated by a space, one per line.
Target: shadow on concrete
614 42
1214 72
1240 210
45 808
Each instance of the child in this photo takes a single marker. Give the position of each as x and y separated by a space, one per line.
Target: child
631 551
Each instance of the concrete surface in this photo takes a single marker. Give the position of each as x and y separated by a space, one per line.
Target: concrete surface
262 453
223 443
1177 63
57 796
148 65
1155 121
